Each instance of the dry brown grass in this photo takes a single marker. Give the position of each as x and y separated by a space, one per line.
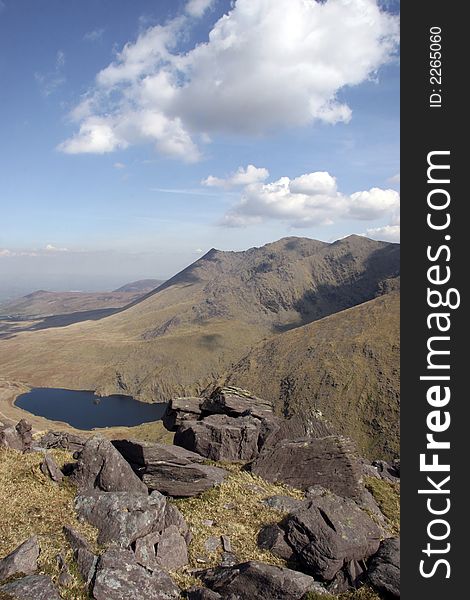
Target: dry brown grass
387 496
31 504
237 511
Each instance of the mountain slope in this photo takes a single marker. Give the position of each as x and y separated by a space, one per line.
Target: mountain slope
346 366
182 335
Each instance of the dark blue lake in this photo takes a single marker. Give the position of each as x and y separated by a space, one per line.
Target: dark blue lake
85 410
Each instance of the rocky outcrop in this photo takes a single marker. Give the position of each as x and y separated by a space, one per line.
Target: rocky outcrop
236 402
62 440
272 537
120 576
259 581
384 569
182 409
100 466
330 532
23 560
18 437
329 462
122 517
50 469
32 587
171 470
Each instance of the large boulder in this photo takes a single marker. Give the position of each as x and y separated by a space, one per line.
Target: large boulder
384 569
101 466
329 462
170 470
236 402
259 581
23 560
294 428
50 469
271 537
18 437
32 587
182 409
330 532
119 576
122 517
62 440
220 437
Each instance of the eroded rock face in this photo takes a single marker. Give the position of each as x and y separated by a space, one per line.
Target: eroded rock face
259 581
23 560
384 569
236 402
171 470
329 462
62 440
220 437
122 517
18 437
180 410
328 533
32 587
120 576
101 466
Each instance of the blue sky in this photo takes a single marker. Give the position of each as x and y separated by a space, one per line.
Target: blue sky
128 128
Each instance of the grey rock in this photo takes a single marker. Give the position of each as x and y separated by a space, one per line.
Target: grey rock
119 576
85 559
212 543
101 466
273 538
226 543
181 409
172 552
145 551
170 470
220 437
329 462
65 577
259 581
329 532
284 504
23 560
296 427
32 587
62 440
197 593
174 517
18 437
236 402
349 577
122 517
229 559
384 569
387 471
50 469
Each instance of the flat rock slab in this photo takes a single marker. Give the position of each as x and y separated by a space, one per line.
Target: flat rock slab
101 466
236 402
33 587
329 462
23 560
328 533
62 440
122 517
180 410
120 577
259 581
221 437
171 470
384 569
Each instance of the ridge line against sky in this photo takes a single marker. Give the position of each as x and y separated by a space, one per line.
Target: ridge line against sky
138 135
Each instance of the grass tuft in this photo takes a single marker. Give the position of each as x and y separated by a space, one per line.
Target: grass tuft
387 496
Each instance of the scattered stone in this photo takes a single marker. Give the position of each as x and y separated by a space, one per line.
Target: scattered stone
33 587
226 544
102 467
172 552
170 470
122 517
384 569
62 440
196 593
208 522
18 437
259 581
329 462
23 560
85 559
180 410
220 437
285 504
65 577
387 471
273 538
50 469
212 544
120 576
329 532
228 559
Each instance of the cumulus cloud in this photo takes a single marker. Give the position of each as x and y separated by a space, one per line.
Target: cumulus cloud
266 65
52 248
196 8
395 179
388 233
311 199
243 176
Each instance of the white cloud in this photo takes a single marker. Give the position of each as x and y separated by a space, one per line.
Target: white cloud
266 65
4 251
196 8
395 179
388 233
51 81
119 165
243 176
311 199
94 35
52 248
